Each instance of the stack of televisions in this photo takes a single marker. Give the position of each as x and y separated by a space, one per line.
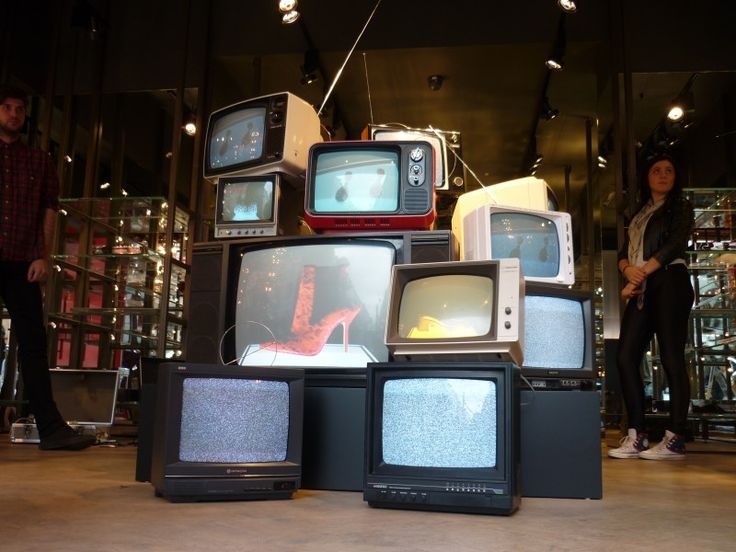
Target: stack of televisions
375 297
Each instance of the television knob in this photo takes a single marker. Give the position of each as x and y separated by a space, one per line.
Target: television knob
507 325
508 310
416 154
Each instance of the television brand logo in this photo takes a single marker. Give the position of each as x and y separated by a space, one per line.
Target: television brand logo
230 470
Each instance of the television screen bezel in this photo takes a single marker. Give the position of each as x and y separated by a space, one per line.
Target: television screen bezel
169 412
378 375
271 223
366 221
566 270
400 240
260 102
585 298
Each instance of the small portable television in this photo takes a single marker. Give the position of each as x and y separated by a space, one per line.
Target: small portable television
370 185
541 240
447 174
443 436
261 135
524 193
558 337
227 432
255 206
472 310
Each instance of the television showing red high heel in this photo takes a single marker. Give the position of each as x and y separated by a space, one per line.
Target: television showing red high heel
294 300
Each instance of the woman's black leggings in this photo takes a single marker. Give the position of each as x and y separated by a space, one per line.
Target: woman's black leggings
667 302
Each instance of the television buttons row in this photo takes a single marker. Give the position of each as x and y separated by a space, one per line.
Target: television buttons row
243 232
465 488
404 496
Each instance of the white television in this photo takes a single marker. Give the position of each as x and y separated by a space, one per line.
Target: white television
541 240
268 134
525 193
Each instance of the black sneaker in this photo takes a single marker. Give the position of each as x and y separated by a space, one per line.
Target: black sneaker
65 438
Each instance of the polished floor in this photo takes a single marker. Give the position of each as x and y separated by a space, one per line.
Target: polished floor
89 500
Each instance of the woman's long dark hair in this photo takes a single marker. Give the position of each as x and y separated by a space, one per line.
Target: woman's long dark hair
645 193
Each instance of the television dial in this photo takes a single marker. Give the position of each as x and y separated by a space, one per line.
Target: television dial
416 155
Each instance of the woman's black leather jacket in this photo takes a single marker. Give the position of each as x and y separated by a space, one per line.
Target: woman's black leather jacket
666 234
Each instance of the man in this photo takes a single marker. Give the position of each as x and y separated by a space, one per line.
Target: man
29 190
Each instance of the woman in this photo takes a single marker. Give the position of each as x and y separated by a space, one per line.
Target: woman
659 295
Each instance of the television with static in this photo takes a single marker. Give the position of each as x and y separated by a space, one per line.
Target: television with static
267 134
227 432
558 337
443 436
541 240
457 310
367 185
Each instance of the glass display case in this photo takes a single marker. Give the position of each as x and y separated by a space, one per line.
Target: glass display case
117 281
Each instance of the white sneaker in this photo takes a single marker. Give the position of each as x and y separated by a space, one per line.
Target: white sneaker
672 447
630 445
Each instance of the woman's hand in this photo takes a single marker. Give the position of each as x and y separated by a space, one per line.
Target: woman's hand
635 274
629 291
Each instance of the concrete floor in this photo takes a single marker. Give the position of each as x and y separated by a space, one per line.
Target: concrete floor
89 500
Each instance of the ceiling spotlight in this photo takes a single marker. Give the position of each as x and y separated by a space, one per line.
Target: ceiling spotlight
568 6
104 185
676 112
311 67
290 17
190 128
549 112
285 6
554 64
555 61
435 82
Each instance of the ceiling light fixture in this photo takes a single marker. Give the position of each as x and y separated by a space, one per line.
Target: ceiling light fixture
288 10
310 69
190 128
568 6
555 61
549 112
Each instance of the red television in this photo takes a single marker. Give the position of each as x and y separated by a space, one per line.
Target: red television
370 185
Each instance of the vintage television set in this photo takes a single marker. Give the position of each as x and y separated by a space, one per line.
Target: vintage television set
261 135
541 240
457 311
370 185
256 206
443 436
227 432
558 337
525 193
449 171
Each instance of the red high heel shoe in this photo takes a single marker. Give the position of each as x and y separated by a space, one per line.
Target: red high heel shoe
311 341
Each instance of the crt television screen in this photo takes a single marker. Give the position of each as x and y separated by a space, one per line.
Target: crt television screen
426 313
234 420
530 238
439 423
237 137
246 200
358 181
554 332
317 304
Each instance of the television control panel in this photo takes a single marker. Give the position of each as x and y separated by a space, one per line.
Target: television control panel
467 496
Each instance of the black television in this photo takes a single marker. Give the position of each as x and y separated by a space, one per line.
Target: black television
364 185
307 301
227 432
261 135
443 436
558 337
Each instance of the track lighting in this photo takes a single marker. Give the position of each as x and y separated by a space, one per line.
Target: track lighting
190 128
680 107
555 61
548 112
310 69
288 10
568 6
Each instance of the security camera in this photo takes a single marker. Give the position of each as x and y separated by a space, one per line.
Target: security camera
435 82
